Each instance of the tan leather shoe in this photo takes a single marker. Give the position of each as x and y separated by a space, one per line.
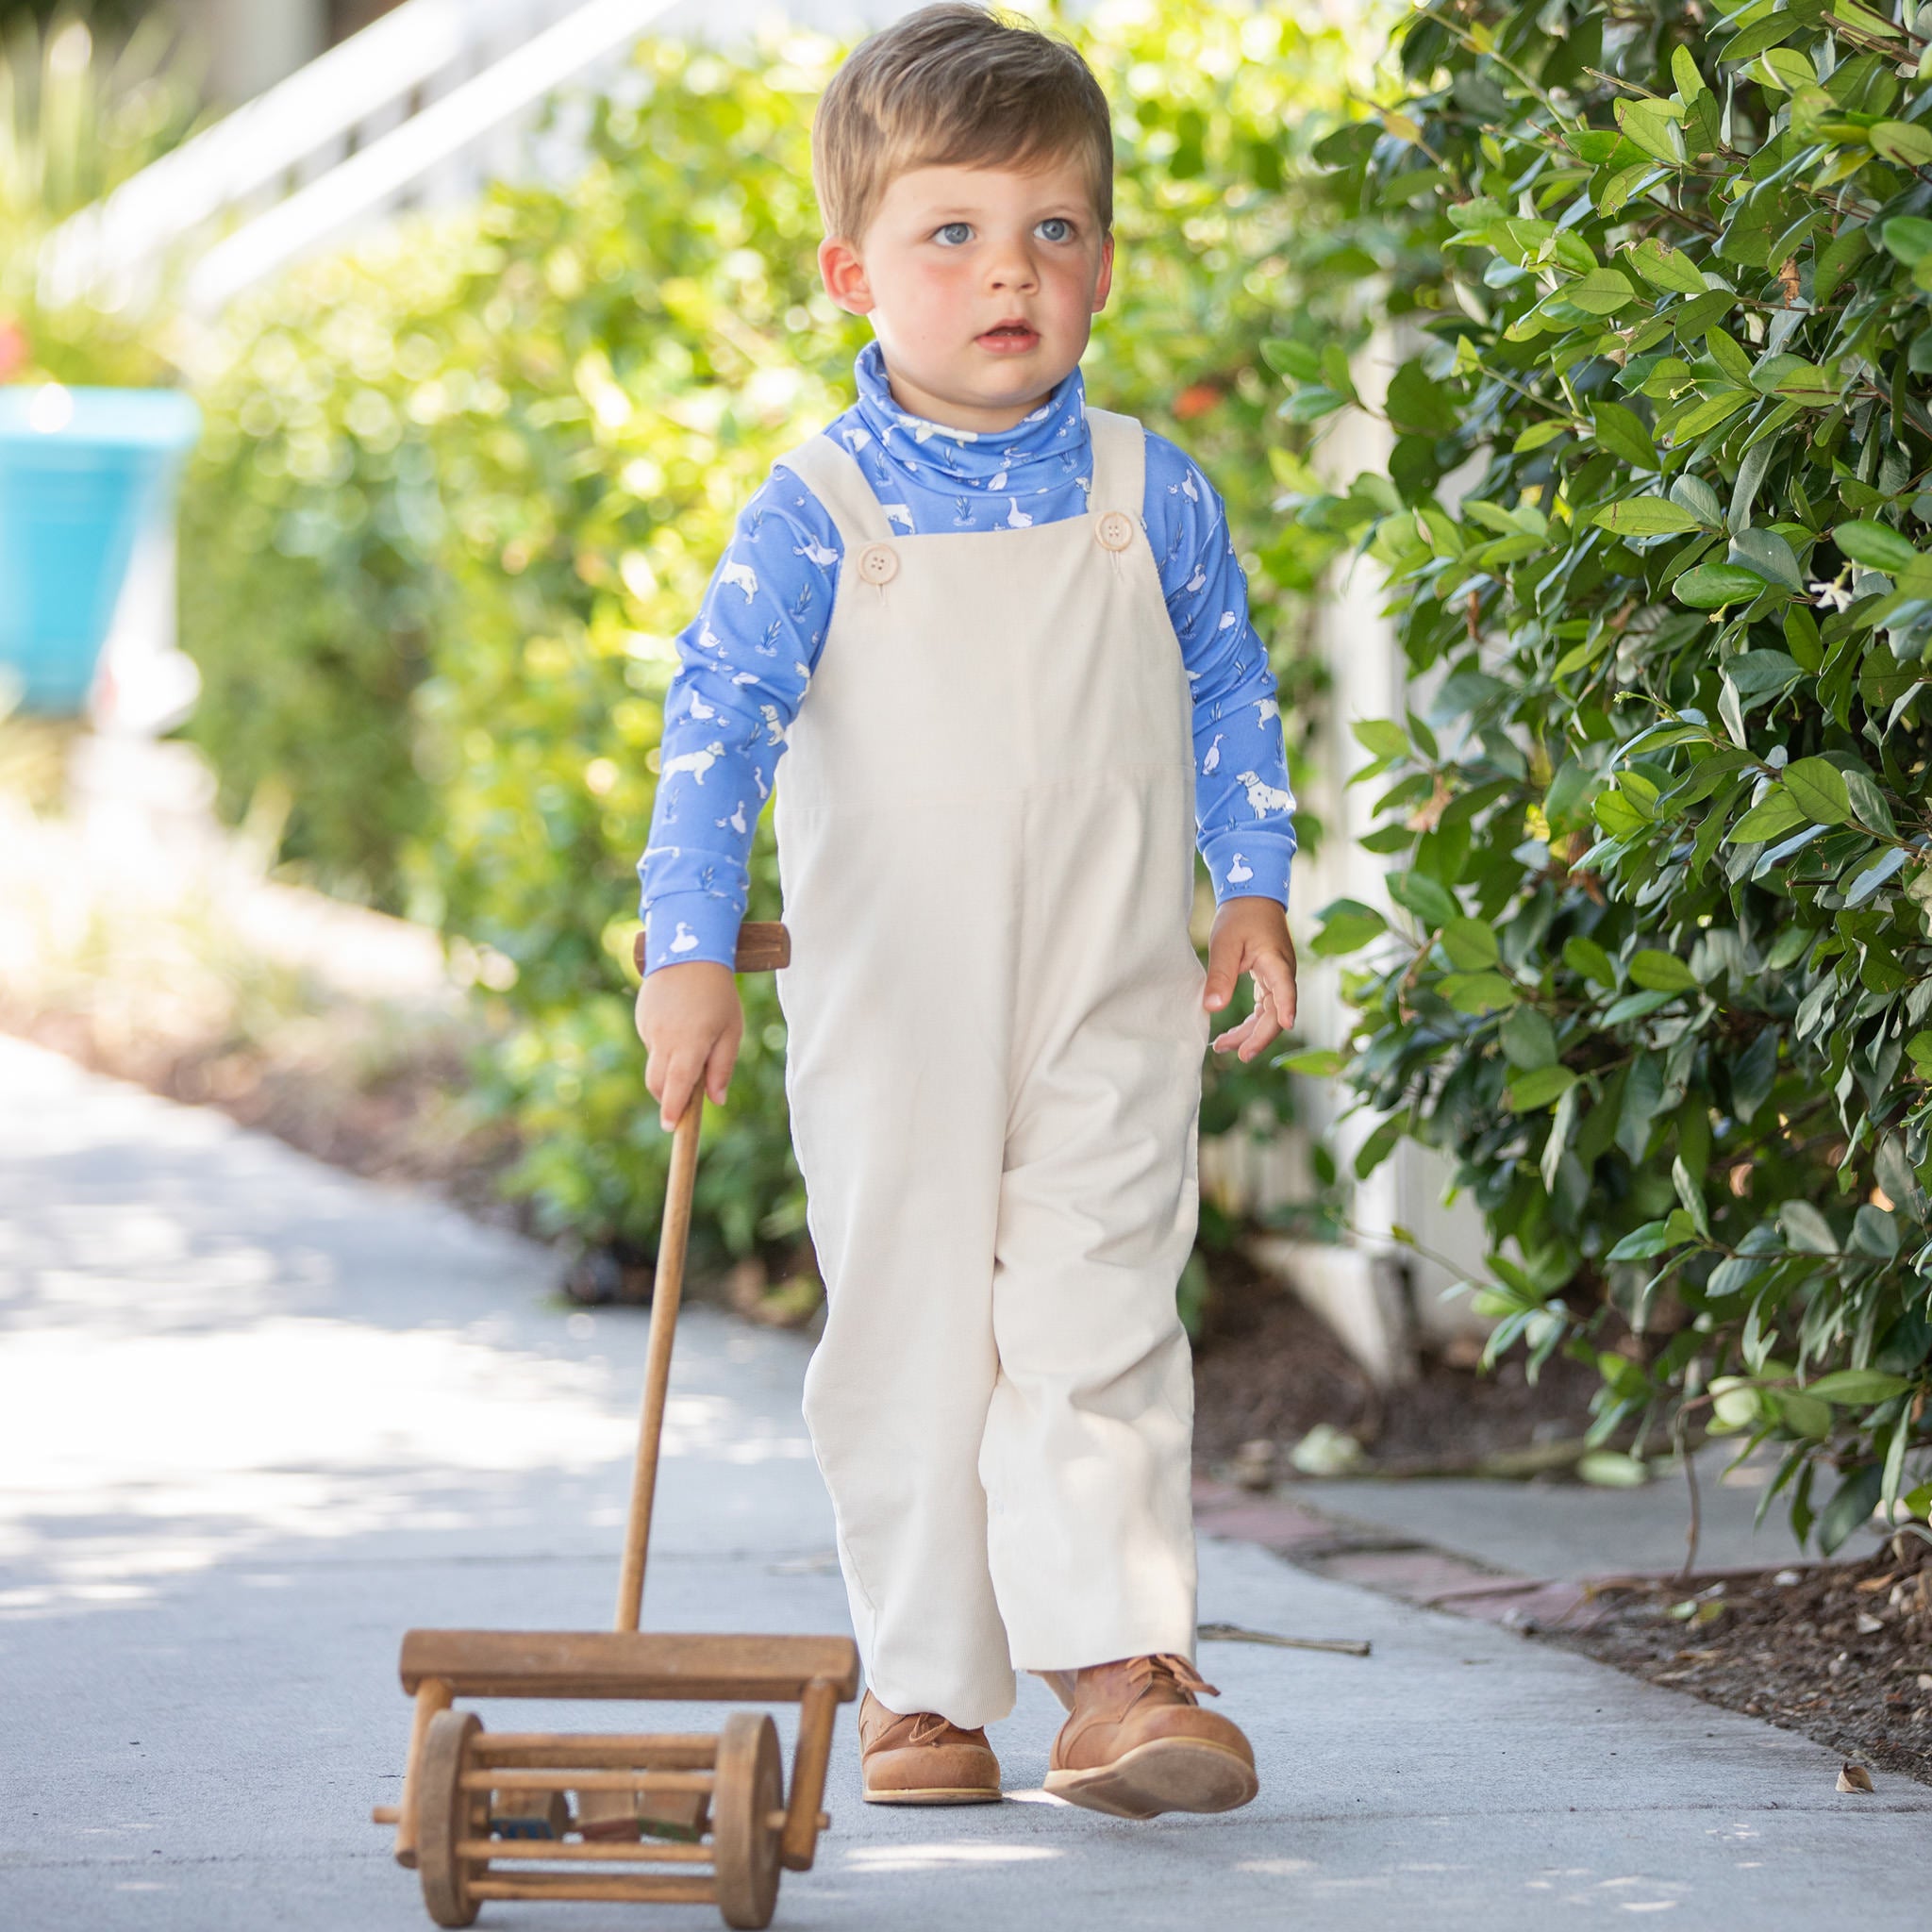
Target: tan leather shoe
1138 1743
922 1759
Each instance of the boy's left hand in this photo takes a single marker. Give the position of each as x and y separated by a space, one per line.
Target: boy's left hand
1251 936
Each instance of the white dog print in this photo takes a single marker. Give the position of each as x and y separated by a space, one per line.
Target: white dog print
1265 797
696 762
815 552
1266 708
742 575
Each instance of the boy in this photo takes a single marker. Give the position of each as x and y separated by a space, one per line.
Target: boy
1003 639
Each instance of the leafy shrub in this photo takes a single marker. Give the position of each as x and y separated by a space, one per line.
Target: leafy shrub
1657 527
457 498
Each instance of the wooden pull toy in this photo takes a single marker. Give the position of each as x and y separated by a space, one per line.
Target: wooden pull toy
654 1817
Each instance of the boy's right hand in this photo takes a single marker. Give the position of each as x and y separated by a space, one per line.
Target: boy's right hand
691 1022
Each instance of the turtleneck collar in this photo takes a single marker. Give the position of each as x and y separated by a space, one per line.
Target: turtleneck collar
1035 451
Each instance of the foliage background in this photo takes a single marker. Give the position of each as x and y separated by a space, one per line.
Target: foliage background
1657 518
457 497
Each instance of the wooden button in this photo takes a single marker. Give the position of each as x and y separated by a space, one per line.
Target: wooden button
1116 531
878 563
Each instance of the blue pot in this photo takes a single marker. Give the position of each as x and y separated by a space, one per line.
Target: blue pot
81 472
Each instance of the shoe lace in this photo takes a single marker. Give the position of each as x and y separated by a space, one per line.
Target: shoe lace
927 1725
1142 1671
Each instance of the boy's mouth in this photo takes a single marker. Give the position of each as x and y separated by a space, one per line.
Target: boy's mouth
1008 337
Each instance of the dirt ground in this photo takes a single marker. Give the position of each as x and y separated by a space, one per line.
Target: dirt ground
1268 1369
1843 1651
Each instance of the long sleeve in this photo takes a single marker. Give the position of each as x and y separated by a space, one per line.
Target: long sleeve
744 665
1244 807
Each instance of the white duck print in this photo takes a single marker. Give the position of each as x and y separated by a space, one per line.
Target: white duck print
742 575
758 778
1017 518
1188 489
1263 797
899 513
1211 762
1229 621
1238 871
855 439
815 553
708 640
701 711
684 939
998 481
1197 580
735 820
696 762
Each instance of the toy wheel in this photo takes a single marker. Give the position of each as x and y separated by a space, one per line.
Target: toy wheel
445 1814
750 1786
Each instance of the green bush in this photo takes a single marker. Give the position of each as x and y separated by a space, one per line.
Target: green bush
1657 525
458 497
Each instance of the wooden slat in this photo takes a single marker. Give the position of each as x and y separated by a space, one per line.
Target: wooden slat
609 1852
626 1663
494 1779
669 1888
658 1751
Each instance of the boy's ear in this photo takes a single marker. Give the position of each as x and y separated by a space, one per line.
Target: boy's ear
844 276
1104 286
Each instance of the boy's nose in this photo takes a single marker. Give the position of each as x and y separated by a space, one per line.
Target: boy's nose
1015 272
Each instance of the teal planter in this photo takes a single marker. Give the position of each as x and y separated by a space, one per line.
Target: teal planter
82 472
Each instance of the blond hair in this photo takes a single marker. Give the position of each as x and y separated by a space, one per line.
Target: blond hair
953 86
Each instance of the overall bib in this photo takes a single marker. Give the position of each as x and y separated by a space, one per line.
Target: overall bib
986 841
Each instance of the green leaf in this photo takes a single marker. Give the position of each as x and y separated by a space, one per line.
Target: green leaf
1818 790
1661 971
1417 403
1318 1063
1877 546
1602 292
1347 924
1476 992
1850 1508
1471 944
1432 903
1643 1243
1527 1039
1540 1087
1776 813
1904 141
1586 958
1666 268
1646 516
1691 1195
1646 124
1858 1386
1621 432
1768 555
1711 586
1807 1231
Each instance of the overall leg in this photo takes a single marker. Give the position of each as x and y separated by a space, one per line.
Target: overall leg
1087 1457
896 1075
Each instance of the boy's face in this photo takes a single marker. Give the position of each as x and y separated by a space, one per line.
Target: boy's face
981 283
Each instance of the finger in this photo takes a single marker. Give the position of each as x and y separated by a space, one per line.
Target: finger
681 1082
1238 1037
718 1068
1262 1026
1277 974
1224 969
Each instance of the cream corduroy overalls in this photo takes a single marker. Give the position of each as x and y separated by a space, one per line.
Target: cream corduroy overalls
986 841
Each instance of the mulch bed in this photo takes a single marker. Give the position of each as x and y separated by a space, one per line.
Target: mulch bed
1841 1651
1268 1369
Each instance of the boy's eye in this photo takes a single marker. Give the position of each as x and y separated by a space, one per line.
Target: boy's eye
953 233
1057 228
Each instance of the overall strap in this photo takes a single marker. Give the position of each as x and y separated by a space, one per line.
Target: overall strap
1119 464
833 475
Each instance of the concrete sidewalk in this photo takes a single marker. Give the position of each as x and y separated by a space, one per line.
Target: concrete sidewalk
255 1418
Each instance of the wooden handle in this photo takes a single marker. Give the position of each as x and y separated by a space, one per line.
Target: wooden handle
764 946
666 1290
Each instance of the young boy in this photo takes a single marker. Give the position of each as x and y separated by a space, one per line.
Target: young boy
1004 640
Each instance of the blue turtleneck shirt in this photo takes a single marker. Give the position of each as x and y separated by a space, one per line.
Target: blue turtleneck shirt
746 662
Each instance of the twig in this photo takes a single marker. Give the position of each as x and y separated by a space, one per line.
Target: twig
1690 1462
1233 1633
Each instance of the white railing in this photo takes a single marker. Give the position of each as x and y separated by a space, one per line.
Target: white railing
351 135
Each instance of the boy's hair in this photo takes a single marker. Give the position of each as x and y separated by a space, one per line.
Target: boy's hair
953 86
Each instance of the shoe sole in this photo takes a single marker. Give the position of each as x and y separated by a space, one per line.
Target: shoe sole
964 1795
1166 1774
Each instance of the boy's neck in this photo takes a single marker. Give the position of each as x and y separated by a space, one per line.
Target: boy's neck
991 421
